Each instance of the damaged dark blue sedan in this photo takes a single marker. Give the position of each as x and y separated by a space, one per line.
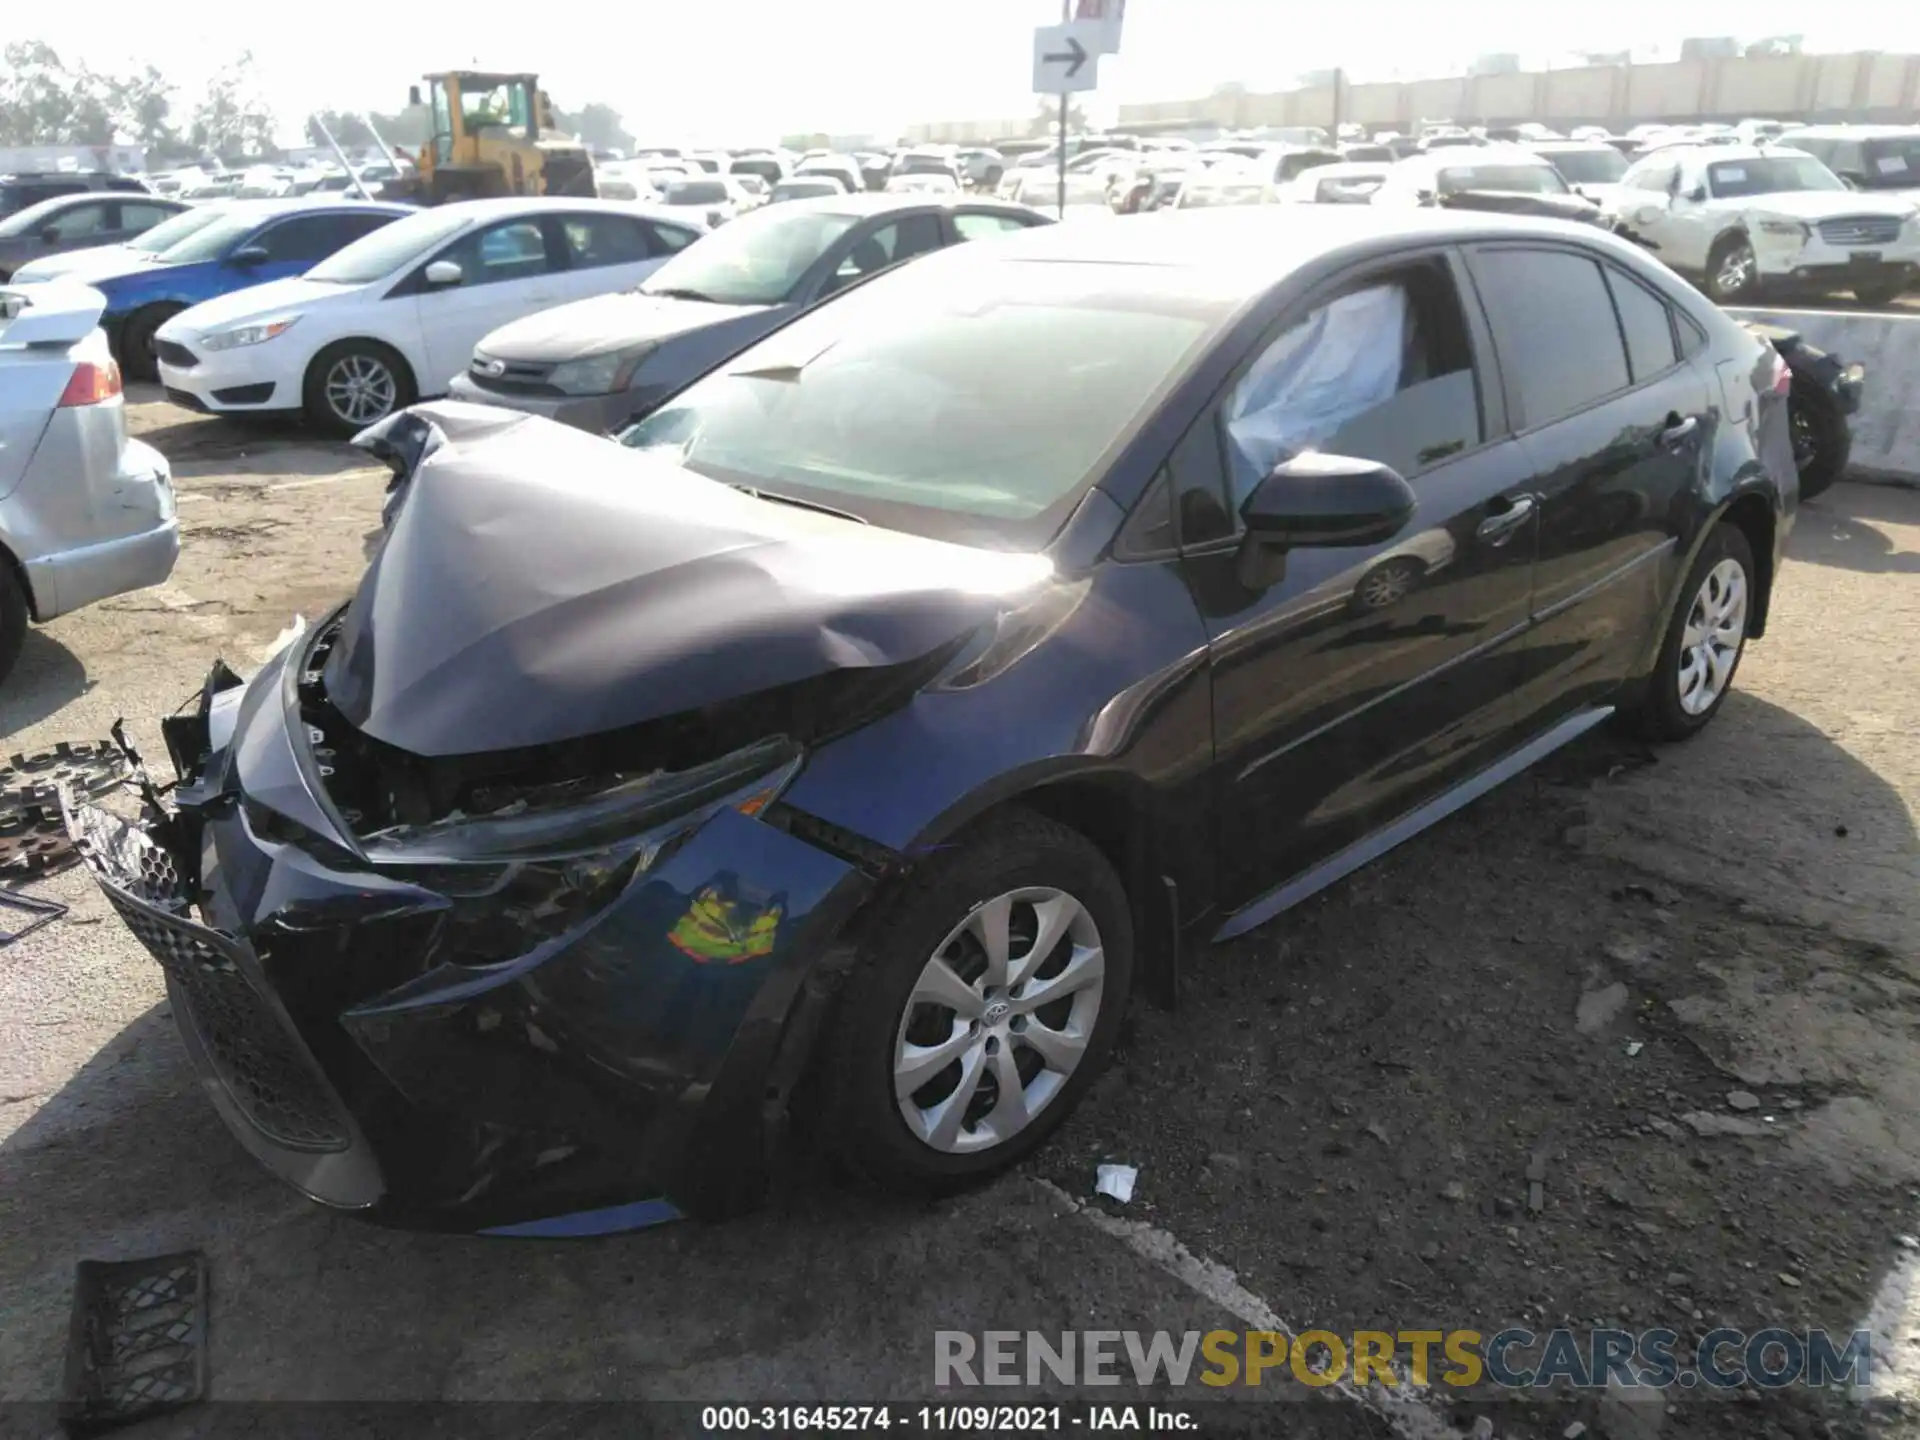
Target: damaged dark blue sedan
850 742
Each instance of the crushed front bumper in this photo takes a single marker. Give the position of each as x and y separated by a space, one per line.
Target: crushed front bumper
627 1066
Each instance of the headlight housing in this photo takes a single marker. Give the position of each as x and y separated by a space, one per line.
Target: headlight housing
1787 230
256 334
597 374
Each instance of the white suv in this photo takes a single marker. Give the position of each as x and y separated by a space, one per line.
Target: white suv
1740 218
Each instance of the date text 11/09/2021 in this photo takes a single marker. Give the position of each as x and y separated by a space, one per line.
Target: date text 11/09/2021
936 1419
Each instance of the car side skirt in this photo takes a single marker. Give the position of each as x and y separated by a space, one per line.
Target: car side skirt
1338 867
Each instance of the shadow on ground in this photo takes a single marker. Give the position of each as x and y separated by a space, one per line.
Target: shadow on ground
1347 1103
1840 529
44 678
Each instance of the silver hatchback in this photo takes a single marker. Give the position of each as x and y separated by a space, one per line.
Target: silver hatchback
85 512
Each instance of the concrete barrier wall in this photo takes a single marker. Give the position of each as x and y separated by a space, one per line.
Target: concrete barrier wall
1886 432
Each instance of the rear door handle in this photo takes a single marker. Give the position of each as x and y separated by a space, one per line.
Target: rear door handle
1498 529
1678 431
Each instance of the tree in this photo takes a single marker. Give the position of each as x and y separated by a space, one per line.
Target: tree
347 128
142 108
598 126
234 122
1047 120
406 129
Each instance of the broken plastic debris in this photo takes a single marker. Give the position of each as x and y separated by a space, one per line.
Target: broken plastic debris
295 629
1634 1047
1115 1180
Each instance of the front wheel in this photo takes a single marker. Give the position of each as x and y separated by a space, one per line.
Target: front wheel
1733 271
987 996
1881 293
1706 637
136 341
353 384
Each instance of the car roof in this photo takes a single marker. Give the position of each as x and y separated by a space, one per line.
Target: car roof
1261 244
508 205
1718 153
879 202
266 208
1562 147
1850 132
1503 153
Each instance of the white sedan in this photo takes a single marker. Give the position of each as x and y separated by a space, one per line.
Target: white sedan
392 316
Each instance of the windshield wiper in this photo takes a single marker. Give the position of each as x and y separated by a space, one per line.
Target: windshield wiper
677 292
800 504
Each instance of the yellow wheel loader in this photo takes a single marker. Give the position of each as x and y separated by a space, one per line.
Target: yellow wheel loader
493 134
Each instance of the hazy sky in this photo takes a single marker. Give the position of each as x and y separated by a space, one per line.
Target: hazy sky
742 70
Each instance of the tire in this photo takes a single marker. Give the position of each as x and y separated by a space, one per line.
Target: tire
1671 709
326 396
1880 296
935 919
136 340
1822 438
1719 283
13 619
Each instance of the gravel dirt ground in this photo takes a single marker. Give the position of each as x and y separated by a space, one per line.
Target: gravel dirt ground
1682 987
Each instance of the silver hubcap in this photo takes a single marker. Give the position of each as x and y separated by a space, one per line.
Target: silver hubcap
360 390
1000 1017
1710 644
1386 586
1736 270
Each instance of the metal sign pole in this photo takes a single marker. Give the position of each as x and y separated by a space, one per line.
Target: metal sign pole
1066 16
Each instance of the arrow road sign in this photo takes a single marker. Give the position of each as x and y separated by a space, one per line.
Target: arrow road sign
1066 58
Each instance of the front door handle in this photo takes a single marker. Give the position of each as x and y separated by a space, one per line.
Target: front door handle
1500 528
1678 431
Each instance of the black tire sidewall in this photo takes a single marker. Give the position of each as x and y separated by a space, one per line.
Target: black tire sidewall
137 360
866 1128
1833 438
1879 297
1664 714
13 619
313 395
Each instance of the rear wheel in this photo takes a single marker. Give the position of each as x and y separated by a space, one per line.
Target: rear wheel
1822 439
354 383
986 998
136 340
1706 637
13 619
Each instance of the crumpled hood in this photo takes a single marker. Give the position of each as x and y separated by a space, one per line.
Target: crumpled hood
1827 204
540 584
604 323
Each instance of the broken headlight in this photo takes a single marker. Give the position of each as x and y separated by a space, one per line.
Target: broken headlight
650 809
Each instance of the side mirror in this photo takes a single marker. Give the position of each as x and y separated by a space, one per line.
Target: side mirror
250 255
413 96
444 273
1697 194
1314 499
1851 182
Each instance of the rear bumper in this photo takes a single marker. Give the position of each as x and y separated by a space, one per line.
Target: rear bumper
598 414
67 564
606 1077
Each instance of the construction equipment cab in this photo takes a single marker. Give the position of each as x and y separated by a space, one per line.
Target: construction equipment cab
493 134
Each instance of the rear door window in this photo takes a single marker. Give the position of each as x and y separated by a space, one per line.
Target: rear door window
597 240
1554 327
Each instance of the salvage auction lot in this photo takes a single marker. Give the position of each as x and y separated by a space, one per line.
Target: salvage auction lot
1571 977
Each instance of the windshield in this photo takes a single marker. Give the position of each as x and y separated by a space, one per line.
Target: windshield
927 400
173 230
755 260
1769 175
390 248
1602 165
696 192
1518 179
1893 163
210 242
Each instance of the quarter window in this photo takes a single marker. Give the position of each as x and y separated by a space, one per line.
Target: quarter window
1647 324
1553 324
